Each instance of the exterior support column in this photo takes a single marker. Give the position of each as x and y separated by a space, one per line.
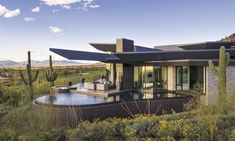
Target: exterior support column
124 72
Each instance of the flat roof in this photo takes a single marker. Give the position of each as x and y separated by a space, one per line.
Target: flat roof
196 46
106 47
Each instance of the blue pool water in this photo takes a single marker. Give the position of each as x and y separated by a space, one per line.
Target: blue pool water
70 99
83 99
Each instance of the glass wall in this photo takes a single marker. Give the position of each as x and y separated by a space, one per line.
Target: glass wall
182 78
190 78
154 77
148 76
137 76
196 78
164 77
179 78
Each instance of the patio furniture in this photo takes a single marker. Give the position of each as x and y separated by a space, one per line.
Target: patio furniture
102 87
91 86
60 89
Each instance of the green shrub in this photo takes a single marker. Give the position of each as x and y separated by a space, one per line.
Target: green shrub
147 127
8 136
25 121
143 127
57 134
86 131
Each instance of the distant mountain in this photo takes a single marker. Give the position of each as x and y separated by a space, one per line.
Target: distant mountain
9 63
229 38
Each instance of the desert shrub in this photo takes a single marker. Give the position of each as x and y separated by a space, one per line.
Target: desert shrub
195 130
172 128
42 88
232 136
87 131
25 121
142 127
8 136
56 134
119 127
146 127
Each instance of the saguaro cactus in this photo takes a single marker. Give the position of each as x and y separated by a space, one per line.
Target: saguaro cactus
224 59
51 75
29 79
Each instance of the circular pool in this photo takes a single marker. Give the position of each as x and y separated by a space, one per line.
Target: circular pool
70 99
70 108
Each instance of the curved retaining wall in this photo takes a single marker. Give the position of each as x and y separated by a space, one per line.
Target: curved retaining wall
62 115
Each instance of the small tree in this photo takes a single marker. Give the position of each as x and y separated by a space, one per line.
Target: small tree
29 80
51 75
224 59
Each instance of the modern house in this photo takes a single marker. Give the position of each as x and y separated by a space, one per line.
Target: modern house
182 67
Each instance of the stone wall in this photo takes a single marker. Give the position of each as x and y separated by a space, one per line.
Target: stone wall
212 83
171 78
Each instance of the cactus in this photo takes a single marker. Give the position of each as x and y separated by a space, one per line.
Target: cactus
51 75
29 80
224 59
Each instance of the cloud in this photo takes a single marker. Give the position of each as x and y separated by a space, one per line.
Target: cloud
55 29
94 6
59 2
55 10
29 19
36 10
8 13
12 13
66 7
3 10
89 4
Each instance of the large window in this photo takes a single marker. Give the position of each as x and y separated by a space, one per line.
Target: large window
154 77
164 77
148 76
182 78
137 76
196 78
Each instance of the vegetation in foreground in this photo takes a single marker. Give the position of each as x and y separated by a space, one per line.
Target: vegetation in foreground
204 124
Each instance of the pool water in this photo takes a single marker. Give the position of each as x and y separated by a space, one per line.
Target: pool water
83 99
70 99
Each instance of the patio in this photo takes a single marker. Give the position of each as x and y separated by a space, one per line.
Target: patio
103 93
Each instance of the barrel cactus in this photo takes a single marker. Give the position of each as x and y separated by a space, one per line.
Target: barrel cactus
51 75
30 79
224 59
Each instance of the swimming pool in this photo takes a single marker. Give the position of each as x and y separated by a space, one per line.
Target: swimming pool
84 99
70 99
70 108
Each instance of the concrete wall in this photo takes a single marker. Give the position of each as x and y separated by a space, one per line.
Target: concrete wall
124 45
212 83
124 70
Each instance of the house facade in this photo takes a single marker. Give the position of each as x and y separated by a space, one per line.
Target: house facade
171 68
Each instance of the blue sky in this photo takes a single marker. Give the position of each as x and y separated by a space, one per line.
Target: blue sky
38 25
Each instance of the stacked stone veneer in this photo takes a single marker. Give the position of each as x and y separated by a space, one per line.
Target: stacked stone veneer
212 83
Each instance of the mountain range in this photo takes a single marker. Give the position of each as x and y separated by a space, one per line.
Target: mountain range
9 63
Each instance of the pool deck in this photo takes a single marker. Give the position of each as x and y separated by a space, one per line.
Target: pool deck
106 93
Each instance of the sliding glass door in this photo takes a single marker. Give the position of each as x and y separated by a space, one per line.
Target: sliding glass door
182 78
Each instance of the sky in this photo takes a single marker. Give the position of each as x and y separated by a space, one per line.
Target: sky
38 25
